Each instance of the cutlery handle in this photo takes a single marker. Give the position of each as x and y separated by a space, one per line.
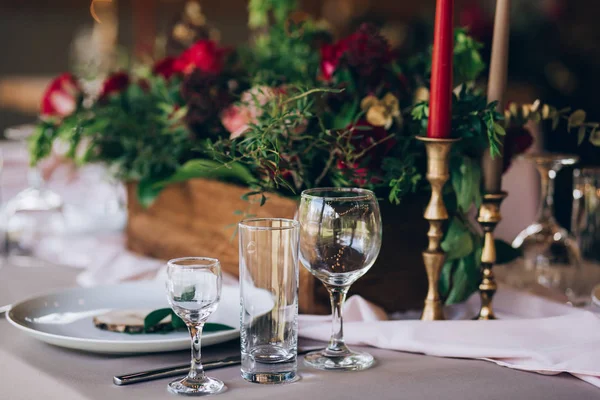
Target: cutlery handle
169 372
181 370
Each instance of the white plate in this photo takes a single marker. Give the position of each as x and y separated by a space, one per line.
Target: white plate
65 318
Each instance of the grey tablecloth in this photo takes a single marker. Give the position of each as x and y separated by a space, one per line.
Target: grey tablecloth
33 370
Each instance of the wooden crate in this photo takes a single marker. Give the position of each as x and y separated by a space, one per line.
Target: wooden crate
197 218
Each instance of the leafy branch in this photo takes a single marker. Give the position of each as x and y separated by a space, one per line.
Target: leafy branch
537 112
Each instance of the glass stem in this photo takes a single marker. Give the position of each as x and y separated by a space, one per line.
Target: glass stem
336 343
546 210
35 178
196 369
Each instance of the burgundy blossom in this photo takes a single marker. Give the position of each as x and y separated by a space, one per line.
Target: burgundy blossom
114 84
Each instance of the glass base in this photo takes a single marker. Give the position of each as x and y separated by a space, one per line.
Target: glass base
347 361
270 377
191 387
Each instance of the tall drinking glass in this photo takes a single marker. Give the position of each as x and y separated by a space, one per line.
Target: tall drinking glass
194 291
269 299
585 225
340 238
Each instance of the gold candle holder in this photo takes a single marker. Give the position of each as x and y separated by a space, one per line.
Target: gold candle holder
489 216
438 173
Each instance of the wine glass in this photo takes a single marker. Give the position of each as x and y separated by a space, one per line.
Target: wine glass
193 291
33 214
340 238
551 254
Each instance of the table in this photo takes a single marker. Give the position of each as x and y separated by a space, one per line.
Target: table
30 369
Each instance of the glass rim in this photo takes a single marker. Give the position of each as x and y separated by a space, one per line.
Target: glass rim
209 262
247 224
361 194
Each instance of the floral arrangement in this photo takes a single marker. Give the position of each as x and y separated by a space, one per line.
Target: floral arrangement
144 125
304 111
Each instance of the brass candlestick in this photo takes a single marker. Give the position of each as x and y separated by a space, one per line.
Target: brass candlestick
489 216
438 155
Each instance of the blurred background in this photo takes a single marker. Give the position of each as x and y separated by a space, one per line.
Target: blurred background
554 50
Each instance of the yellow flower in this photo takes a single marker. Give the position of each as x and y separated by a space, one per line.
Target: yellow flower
421 94
381 112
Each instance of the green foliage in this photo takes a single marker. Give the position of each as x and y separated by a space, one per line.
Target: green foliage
278 142
140 133
285 54
468 64
156 316
260 10
402 173
465 174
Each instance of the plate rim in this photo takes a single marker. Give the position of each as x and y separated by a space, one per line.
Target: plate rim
36 332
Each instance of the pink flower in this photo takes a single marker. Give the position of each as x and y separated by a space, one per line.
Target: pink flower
237 118
60 98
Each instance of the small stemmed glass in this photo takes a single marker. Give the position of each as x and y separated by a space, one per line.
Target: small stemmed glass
194 291
340 238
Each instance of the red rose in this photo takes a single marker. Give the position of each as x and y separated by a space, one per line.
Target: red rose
61 96
517 141
370 162
114 84
165 67
365 51
204 55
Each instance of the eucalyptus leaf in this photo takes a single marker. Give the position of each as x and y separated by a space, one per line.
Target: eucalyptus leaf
458 242
155 317
581 135
445 281
465 177
577 118
177 322
210 169
147 192
465 279
215 327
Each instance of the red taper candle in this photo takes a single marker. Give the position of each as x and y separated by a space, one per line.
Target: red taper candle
440 98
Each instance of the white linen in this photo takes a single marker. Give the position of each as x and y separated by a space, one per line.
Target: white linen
561 339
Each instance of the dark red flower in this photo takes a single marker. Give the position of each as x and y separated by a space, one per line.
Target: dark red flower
330 57
473 17
372 143
204 55
60 98
366 51
165 67
144 84
114 84
517 141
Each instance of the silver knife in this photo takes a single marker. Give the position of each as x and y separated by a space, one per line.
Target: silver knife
183 369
